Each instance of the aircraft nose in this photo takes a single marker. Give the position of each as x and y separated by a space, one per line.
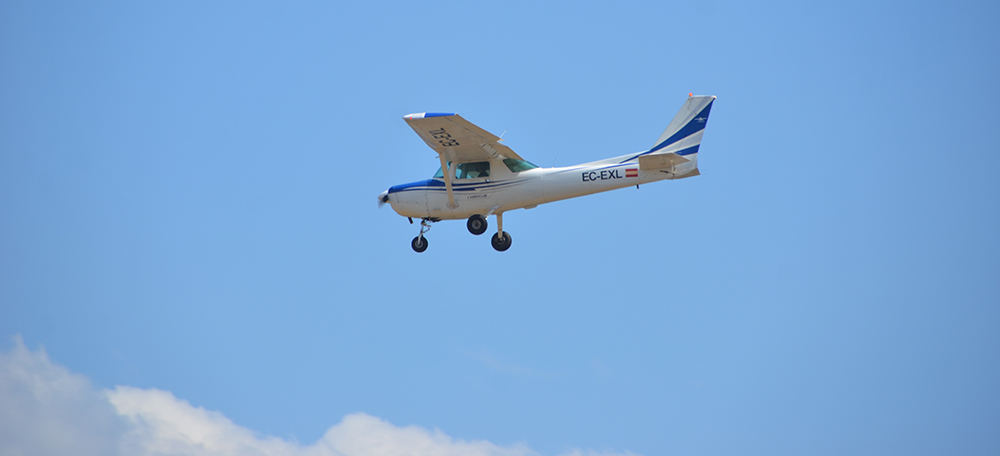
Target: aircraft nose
383 198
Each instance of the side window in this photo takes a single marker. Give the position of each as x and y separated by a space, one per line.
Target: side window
472 170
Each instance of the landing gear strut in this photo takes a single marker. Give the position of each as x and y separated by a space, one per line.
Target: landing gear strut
477 224
501 241
419 243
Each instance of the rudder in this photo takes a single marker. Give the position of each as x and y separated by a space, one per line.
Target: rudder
683 134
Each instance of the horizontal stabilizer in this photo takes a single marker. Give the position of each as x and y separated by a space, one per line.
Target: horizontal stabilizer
660 161
692 173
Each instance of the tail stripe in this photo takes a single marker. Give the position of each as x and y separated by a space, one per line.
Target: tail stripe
690 150
693 126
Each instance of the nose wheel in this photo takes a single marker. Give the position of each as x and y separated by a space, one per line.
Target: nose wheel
419 243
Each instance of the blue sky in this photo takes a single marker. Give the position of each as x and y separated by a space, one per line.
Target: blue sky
187 204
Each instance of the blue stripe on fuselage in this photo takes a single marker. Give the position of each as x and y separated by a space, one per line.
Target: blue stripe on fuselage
411 185
435 184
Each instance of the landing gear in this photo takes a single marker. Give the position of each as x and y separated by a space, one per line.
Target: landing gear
499 243
501 240
419 243
477 224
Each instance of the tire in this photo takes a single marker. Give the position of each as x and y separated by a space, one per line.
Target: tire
477 224
501 245
419 244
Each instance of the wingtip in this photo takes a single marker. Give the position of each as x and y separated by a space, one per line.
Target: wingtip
422 115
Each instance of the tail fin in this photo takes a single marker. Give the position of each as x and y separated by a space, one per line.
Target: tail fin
677 148
683 135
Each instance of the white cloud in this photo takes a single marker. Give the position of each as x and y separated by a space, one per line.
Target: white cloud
48 410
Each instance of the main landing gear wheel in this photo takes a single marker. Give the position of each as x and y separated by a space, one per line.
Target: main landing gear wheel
477 224
419 244
501 244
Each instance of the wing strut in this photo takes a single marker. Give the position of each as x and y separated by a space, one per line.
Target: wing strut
447 181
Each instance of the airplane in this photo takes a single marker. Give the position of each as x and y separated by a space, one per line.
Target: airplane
480 177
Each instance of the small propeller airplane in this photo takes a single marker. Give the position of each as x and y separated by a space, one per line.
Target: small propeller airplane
480 177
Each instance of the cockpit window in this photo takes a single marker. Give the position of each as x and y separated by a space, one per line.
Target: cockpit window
472 170
516 166
467 170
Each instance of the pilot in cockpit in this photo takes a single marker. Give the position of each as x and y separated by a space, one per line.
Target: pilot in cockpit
473 170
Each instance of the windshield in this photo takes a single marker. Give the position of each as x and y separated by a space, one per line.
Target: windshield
516 166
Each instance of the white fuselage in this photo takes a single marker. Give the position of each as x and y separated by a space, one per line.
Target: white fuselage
505 190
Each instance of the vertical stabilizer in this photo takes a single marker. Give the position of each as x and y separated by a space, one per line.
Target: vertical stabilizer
683 134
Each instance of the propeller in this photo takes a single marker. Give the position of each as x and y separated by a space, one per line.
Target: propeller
383 198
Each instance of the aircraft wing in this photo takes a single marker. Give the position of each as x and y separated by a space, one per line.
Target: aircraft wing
457 139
